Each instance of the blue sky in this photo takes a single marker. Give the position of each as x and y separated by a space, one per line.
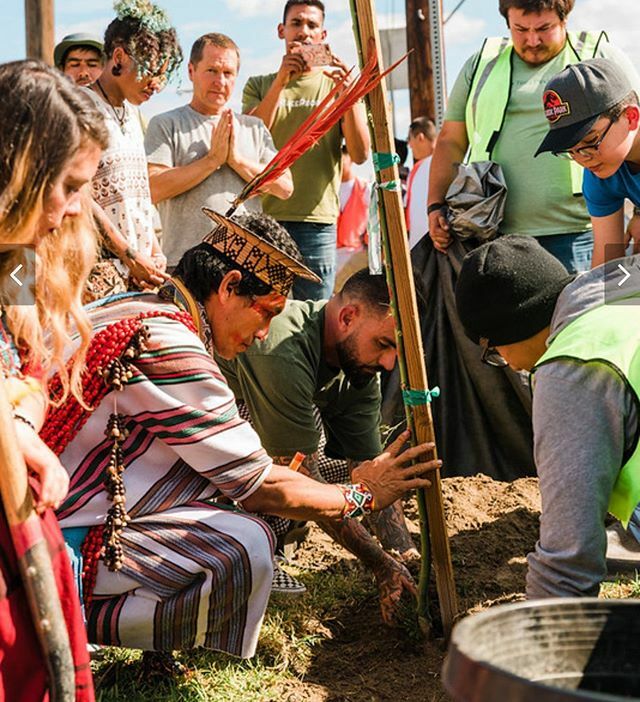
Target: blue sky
252 24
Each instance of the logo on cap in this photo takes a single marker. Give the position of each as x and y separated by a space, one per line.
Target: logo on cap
554 107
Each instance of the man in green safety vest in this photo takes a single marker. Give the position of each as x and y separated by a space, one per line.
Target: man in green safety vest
494 114
580 337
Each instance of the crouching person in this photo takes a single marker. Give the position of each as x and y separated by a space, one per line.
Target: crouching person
526 311
164 566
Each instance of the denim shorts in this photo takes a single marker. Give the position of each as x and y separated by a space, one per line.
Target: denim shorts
317 243
573 250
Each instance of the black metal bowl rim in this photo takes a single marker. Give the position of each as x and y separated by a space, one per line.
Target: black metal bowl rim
476 620
473 621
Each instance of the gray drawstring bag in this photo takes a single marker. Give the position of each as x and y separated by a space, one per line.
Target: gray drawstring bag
476 200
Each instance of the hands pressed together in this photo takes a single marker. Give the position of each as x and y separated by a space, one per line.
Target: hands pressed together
148 271
223 147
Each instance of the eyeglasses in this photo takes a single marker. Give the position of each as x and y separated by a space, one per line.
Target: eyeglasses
585 151
490 355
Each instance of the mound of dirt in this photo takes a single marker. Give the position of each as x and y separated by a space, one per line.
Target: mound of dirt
492 526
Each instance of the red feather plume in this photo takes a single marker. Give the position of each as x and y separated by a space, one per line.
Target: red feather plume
341 98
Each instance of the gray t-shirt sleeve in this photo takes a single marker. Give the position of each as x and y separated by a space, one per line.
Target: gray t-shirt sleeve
268 150
584 419
158 142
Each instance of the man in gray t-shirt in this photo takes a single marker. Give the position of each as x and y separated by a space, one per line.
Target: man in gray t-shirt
202 154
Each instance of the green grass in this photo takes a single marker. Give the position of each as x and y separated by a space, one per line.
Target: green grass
292 628
624 586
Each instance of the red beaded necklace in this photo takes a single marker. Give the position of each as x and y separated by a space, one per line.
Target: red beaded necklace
108 366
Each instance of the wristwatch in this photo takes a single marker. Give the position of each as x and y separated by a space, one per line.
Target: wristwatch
435 206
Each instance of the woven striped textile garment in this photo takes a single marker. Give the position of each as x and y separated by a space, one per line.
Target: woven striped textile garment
194 573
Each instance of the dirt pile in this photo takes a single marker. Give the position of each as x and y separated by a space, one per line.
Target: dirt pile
492 526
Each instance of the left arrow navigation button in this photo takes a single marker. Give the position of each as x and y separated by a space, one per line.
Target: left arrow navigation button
14 275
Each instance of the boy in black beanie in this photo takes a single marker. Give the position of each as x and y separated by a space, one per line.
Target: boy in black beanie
520 304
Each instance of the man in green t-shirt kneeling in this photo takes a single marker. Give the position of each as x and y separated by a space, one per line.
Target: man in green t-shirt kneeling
315 378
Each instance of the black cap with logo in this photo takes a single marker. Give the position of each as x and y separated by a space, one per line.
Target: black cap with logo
575 98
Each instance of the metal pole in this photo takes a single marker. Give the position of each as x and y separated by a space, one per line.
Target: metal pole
437 61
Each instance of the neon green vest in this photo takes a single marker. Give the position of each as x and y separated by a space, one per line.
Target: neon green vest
491 88
610 334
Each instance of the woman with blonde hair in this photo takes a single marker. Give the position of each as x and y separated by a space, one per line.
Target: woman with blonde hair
51 139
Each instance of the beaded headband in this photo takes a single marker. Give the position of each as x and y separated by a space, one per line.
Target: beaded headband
267 262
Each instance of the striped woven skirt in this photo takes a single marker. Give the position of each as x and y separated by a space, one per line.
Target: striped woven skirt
192 576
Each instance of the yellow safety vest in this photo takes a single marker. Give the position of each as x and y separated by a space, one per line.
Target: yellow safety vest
491 88
609 334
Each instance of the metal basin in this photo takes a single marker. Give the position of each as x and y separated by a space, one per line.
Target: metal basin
547 651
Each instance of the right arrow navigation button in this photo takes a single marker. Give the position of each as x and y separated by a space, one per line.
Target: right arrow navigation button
625 273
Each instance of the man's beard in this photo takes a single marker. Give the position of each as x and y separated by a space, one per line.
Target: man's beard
354 371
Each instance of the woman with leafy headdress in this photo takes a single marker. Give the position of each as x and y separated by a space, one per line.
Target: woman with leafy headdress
142 54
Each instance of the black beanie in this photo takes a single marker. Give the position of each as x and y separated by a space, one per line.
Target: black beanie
507 290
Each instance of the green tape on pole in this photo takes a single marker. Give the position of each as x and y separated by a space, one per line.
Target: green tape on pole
391 185
382 160
417 398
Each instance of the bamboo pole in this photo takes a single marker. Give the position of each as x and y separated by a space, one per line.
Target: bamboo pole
34 560
410 352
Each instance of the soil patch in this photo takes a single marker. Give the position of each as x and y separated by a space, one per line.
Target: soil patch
492 526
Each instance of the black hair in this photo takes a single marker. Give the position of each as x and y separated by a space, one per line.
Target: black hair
423 125
202 267
149 49
312 3
84 47
614 113
561 7
372 290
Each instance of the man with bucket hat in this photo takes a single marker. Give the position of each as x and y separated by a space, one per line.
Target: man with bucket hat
520 304
80 56
594 116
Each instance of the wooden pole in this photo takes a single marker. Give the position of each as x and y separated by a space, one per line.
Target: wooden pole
421 94
34 560
427 84
39 29
410 352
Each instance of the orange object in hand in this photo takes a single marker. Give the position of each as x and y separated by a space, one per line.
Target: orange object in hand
297 460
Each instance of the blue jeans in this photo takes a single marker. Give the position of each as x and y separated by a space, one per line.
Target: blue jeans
574 251
317 243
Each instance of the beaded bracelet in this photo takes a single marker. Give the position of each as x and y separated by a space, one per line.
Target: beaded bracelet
358 500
